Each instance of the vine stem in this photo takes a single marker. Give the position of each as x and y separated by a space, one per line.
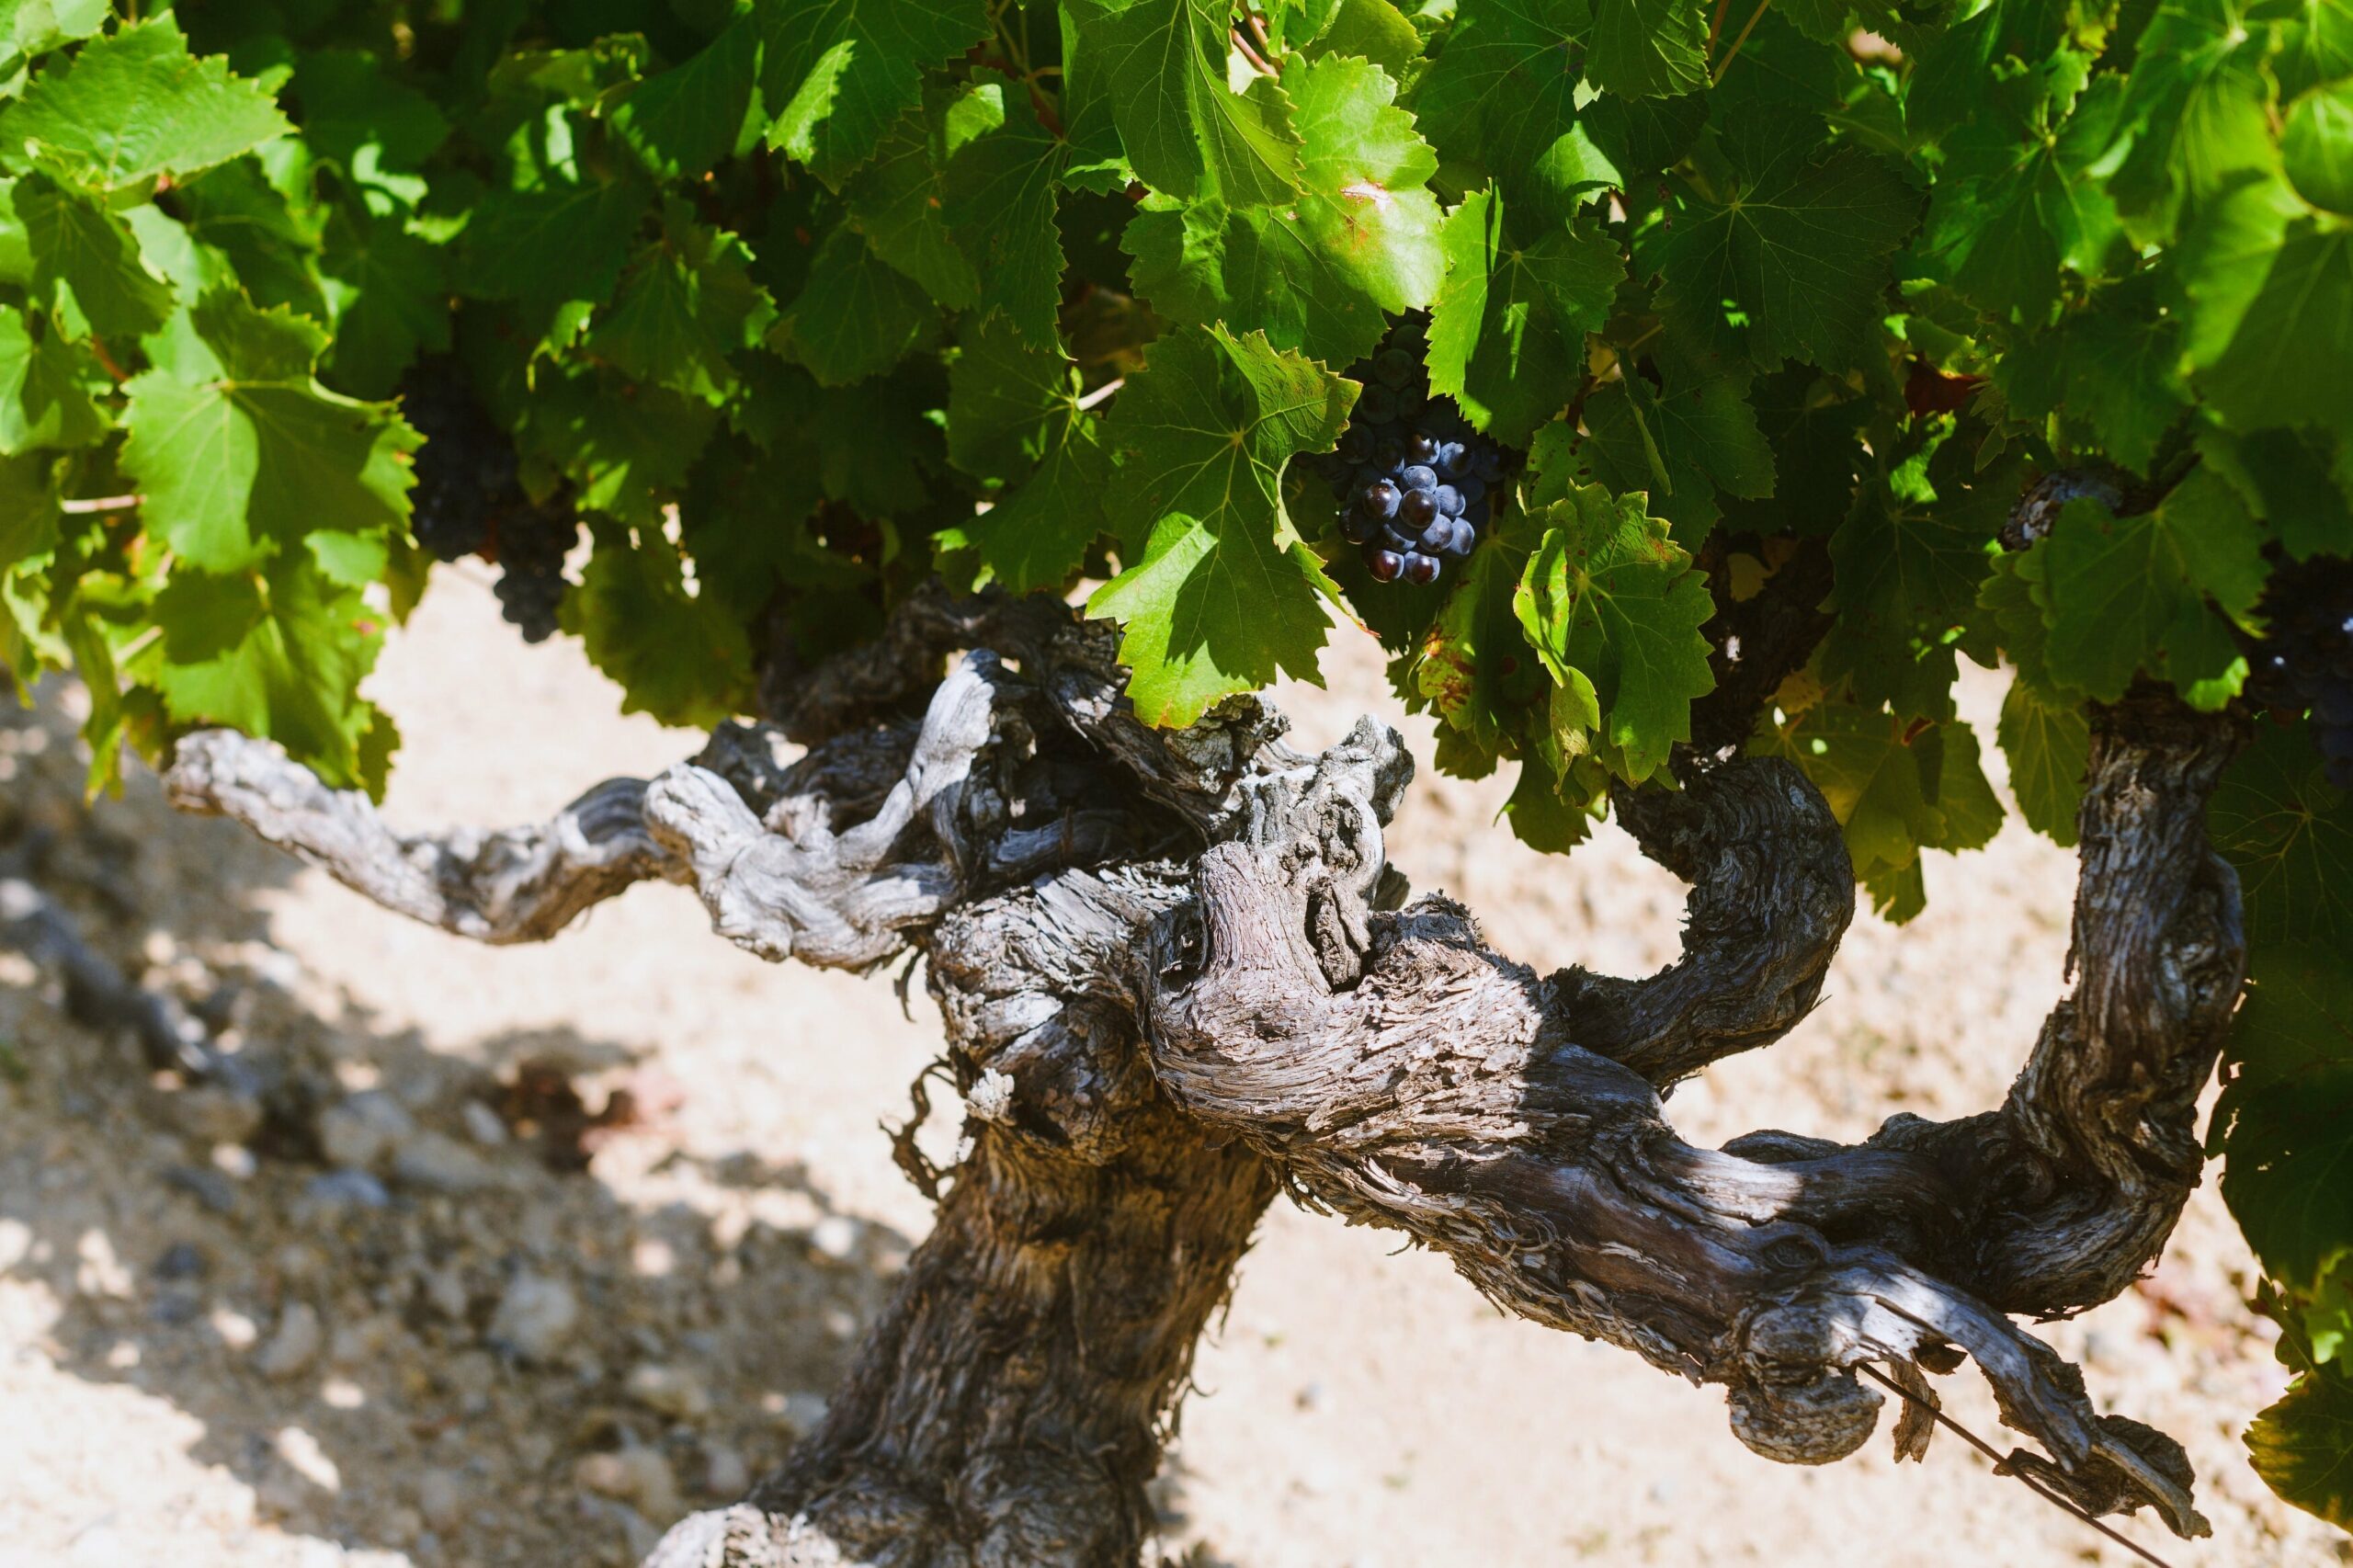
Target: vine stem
1733 52
2002 1466
101 504
1716 26
1259 61
1100 394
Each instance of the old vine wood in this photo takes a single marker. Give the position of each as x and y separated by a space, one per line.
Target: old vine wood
960 412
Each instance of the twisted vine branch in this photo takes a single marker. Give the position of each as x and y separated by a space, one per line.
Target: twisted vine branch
1151 1034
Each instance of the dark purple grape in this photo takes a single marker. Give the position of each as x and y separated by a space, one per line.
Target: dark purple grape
1384 564
1412 477
1420 568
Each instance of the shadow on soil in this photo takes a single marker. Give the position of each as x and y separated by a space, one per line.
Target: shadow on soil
395 1286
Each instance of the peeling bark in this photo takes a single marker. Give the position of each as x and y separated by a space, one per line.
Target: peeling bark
1175 979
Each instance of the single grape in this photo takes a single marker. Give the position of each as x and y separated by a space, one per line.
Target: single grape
1449 500
1380 498
1421 568
1395 367
1422 447
1378 405
1416 508
1384 564
1417 476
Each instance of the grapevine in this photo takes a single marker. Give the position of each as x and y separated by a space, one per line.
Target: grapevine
1691 388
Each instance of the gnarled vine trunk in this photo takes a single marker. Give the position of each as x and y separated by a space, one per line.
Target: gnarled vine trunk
1177 974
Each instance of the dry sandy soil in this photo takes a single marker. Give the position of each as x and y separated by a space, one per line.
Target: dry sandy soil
382 1326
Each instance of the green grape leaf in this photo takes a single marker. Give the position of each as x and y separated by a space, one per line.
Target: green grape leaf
1607 599
1504 89
27 513
86 262
899 199
242 462
1792 259
686 305
2316 146
387 291
1012 414
46 387
1896 789
1647 48
1507 337
682 120
2111 367
2020 196
854 316
1220 597
135 104
34 26
2128 594
1907 573
1316 272
1187 133
1039 536
1684 441
376 128
1368 29
2283 476
874 446
280 653
2220 262
2290 834
1472 664
2047 742
560 244
1811 425
2296 335
835 73
1000 205
625 453
2195 110
1207 613
2288 1145
1003 394
675 655
2302 1446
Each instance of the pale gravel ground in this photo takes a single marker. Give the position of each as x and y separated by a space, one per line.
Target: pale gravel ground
1357 1407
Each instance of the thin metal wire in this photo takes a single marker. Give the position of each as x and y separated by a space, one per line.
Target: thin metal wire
2002 1467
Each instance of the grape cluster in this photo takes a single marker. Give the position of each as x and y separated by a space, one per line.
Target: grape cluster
1411 474
532 542
2305 659
468 497
465 471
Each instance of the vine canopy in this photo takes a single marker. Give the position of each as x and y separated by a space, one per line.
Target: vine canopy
799 304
